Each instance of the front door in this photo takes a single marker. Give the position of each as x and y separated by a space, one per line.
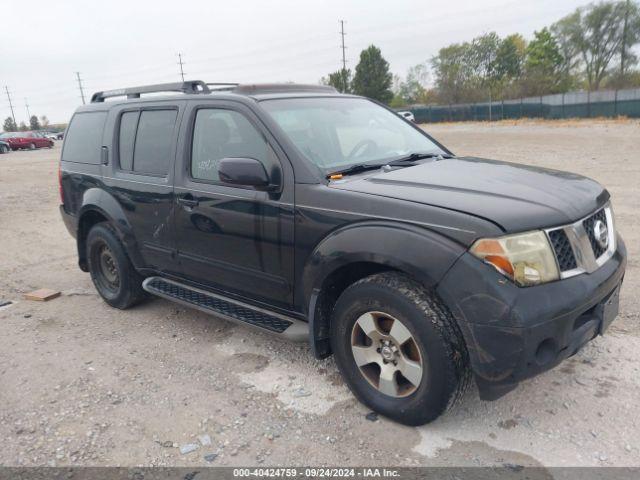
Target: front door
232 238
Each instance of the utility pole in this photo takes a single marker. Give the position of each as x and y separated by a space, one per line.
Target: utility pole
26 104
342 34
80 86
13 115
181 63
343 73
623 52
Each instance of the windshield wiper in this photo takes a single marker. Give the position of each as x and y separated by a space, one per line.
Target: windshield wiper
412 157
359 167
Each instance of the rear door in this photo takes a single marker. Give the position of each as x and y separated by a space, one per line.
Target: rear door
233 238
139 175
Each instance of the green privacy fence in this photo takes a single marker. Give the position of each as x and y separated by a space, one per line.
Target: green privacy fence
606 103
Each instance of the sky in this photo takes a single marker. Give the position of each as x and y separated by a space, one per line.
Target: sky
117 44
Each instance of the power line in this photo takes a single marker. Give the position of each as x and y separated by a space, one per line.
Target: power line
80 86
13 115
181 63
342 34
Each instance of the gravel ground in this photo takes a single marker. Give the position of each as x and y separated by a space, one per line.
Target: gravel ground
84 384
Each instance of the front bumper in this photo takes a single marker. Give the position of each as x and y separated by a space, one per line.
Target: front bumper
514 333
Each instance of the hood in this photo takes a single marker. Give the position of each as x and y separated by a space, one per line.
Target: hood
515 197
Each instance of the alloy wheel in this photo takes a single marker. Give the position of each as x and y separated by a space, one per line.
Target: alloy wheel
387 354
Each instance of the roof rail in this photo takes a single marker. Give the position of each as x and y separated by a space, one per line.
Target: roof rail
254 89
192 86
223 85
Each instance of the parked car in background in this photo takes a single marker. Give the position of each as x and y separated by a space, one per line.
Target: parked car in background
50 135
59 135
26 140
408 115
5 147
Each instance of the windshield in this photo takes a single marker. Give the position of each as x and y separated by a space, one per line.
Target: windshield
335 133
11 135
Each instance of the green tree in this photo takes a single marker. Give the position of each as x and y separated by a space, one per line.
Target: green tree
510 56
23 127
373 78
600 33
9 125
413 88
453 72
544 65
484 60
340 80
563 32
34 123
44 121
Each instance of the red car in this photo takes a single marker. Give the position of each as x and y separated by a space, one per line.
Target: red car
28 140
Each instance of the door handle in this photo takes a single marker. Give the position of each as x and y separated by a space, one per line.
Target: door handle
188 201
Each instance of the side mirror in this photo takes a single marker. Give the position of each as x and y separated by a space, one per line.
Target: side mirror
243 171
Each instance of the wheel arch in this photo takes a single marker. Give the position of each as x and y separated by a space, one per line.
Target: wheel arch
362 249
99 206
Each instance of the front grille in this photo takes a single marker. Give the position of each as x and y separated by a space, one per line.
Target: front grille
562 248
598 250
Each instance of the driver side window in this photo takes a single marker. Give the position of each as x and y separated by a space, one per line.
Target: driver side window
220 133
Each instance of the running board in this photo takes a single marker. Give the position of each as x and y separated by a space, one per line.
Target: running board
232 310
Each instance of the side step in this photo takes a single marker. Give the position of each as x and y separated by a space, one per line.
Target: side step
232 310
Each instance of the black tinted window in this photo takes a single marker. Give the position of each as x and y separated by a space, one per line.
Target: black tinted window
222 134
83 139
127 137
152 153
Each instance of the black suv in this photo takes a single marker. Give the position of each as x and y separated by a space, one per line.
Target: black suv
328 217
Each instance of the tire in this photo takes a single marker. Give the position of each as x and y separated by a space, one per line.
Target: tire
32 146
435 343
112 273
3 149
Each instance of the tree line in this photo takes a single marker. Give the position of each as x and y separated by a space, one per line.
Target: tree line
590 49
35 123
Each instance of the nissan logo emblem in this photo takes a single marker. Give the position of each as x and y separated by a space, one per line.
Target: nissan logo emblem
601 233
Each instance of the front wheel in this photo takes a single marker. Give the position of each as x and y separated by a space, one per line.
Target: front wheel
112 273
399 349
3 149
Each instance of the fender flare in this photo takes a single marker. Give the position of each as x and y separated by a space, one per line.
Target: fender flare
421 253
97 200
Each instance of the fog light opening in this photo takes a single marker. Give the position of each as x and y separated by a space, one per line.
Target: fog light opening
546 351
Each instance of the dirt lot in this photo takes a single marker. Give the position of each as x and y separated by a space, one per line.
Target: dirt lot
84 384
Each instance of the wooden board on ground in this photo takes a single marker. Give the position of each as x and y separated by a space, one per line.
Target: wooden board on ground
42 295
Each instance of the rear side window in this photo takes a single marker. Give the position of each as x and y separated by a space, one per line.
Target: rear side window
145 139
128 125
84 138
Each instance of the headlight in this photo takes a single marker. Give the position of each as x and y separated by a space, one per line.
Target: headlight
525 258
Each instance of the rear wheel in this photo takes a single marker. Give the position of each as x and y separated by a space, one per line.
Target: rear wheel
399 349
3 149
112 273
32 146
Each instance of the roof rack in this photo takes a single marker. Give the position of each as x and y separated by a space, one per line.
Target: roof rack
222 85
192 87
253 89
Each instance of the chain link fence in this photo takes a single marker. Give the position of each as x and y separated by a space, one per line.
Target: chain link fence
606 103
